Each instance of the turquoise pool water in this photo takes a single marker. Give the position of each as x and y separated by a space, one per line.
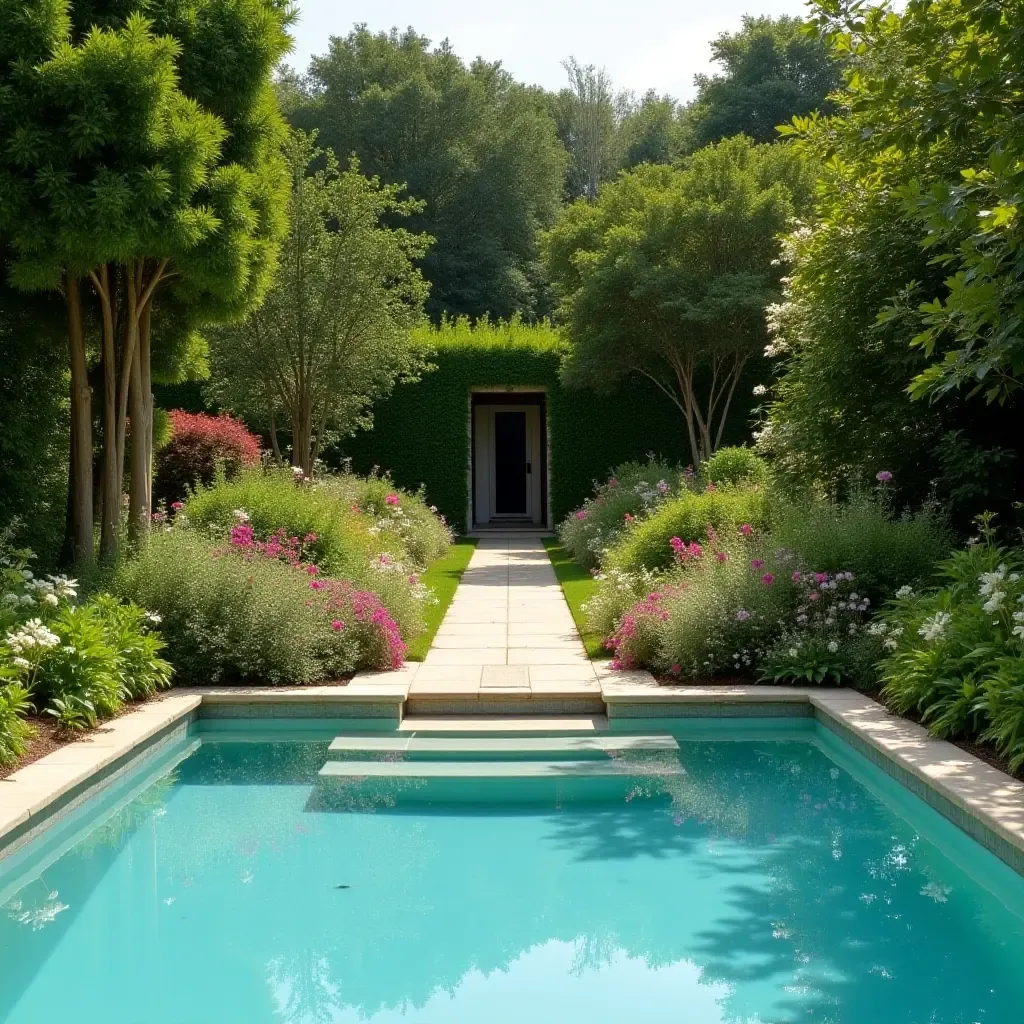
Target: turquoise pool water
777 880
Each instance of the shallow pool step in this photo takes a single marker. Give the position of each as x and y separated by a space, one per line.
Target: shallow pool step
502 725
360 785
446 748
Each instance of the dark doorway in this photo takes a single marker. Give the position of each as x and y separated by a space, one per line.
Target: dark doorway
510 463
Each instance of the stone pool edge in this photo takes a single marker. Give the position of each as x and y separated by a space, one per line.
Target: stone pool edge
982 801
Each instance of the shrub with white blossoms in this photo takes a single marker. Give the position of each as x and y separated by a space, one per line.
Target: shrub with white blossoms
955 654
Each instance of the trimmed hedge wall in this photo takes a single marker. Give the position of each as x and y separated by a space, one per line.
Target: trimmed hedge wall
421 433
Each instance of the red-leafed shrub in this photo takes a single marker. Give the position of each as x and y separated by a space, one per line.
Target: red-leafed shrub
199 446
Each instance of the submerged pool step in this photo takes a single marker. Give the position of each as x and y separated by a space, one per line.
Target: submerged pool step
485 748
356 785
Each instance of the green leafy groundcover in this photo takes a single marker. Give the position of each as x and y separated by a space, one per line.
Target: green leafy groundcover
441 579
578 586
421 434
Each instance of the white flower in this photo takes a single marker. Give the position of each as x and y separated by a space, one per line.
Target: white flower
32 634
833 646
905 592
935 627
26 574
793 652
995 602
155 618
990 581
241 515
11 599
22 663
760 389
1014 576
1018 632
878 629
51 599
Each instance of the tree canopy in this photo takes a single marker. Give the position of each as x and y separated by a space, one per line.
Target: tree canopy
772 70
668 274
479 149
333 333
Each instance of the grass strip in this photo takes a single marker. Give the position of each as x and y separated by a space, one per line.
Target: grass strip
442 577
578 586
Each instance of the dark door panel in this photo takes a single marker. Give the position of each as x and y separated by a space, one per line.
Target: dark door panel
510 463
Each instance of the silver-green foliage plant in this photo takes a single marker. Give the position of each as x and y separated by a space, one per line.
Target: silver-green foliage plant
630 492
955 653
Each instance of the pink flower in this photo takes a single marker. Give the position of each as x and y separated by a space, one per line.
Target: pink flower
813 596
613 482
581 514
337 625
675 670
722 556
627 518
676 544
310 538
746 529
768 579
820 577
177 505
318 585
392 499
710 487
883 476
312 569
757 563
796 576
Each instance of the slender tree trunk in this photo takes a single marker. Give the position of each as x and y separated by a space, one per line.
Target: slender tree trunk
138 494
145 350
274 444
80 468
111 522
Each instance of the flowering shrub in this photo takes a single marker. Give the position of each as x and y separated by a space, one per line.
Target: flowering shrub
199 448
955 653
257 609
647 544
633 490
77 662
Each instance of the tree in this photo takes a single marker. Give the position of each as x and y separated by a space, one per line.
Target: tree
940 85
773 70
648 131
668 276
118 178
590 127
479 149
333 333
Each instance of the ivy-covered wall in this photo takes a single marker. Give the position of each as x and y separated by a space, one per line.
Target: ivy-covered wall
421 433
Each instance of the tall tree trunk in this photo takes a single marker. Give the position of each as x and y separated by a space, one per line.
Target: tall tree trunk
111 522
145 350
138 492
80 467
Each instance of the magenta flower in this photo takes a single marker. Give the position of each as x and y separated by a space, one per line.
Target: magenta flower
177 505
313 570
676 544
796 576
757 563
746 529
627 518
318 585
310 538
722 556
337 625
675 670
613 482
581 514
392 499
768 579
883 476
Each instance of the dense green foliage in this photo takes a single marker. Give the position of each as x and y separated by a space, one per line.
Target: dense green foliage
668 274
477 147
772 71
858 322
78 662
34 415
587 433
955 653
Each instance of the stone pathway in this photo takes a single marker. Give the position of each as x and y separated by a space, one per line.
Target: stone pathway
508 630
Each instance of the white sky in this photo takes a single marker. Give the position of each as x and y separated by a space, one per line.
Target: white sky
659 44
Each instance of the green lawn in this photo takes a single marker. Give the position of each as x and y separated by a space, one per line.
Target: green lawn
577 585
442 577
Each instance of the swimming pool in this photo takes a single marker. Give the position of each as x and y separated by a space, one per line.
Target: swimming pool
760 873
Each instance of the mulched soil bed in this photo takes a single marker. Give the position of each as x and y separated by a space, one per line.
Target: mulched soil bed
47 739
